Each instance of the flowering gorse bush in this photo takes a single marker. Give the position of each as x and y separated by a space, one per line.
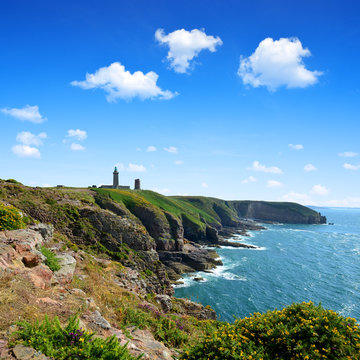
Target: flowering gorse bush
300 331
10 218
69 342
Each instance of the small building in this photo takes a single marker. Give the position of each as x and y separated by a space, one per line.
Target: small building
115 184
137 185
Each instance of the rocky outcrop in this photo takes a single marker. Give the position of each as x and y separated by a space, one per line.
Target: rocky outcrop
192 258
176 231
67 268
19 254
112 230
290 213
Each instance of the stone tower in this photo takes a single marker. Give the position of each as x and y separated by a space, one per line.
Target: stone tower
137 184
115 178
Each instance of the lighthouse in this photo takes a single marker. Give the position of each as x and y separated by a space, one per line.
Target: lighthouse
115 178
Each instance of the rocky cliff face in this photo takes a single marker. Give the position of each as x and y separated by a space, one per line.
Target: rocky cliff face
100 291
145 230
290 213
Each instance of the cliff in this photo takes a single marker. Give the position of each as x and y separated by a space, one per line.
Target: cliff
117 254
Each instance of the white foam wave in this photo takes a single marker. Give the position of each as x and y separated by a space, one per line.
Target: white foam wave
186 282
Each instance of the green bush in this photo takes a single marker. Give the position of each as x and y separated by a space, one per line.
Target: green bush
10 218
69 342
51 260
299 331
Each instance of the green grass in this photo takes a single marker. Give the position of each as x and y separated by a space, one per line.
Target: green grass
69 342
160 203
51 260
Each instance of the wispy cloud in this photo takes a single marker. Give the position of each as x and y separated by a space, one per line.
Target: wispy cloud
250 179
274 184
26 151
319 190
131 167
163 191
136 168
171 149
151 148
27 113
256 166
28 138
178 162
119 83
277 63
204 185
348 154
185 45
297 197
296 146
77 134
309 167
77 147
348 166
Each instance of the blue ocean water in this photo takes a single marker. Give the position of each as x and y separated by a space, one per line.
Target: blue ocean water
296 263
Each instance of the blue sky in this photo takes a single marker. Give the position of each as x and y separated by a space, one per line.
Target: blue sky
236 99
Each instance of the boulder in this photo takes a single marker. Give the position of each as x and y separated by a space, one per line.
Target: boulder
152 349
96 320
165 302
66 272
31 260
40 276
46 230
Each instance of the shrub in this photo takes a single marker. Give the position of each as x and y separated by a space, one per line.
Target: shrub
10 218
69 342
51 260
299 331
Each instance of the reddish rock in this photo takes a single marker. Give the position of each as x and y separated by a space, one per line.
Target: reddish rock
31 260
40 276
23 248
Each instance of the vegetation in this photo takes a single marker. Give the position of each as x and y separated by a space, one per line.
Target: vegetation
10 218
69 342
51 260
299 331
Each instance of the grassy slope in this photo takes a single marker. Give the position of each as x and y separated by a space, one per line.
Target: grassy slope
175 206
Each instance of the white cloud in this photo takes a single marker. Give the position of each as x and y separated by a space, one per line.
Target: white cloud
277 63
136 168
204 185
185 45
319 190
347 202
171 149
119 83
296 147
348 166
27 113
151 148
178 162
27 138
274 184
309 167
77 134
26 151
76 147
256 166
250 179
348 154
163 191
297 197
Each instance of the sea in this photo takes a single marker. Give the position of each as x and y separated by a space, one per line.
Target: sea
294 263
